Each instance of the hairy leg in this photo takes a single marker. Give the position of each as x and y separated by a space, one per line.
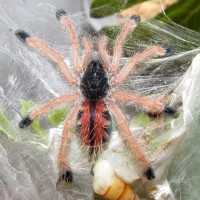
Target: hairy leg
103 53
63 162
63 17
154 107
88 50
48 106
117 50
44 48
151 52
131 140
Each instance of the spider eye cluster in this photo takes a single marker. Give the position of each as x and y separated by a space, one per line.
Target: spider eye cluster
94 83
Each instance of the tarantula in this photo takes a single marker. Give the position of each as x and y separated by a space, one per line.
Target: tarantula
96 85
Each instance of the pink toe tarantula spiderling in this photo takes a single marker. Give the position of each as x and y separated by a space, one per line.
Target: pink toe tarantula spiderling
93 80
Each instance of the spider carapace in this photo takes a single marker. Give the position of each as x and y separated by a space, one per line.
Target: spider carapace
92 80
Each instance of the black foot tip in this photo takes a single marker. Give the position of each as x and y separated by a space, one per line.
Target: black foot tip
149 173
22 35
171 111
136 18
26 121
92 170
169 52
60 13
67 176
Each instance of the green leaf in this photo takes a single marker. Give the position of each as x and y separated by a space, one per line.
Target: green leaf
165 132
6 127
36 127
153 32
58 116
25 110
26 107
103 8
141 119
185 13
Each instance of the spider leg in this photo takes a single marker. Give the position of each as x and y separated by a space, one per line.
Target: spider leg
43 47
46 107
132 141
88 50
63 153
102 52
149 104
117 50
139 57
63 17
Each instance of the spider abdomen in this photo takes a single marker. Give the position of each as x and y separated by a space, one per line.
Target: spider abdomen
94 83
94 125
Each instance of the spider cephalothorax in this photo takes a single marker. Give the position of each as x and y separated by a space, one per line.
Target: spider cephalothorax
94 83
93 110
